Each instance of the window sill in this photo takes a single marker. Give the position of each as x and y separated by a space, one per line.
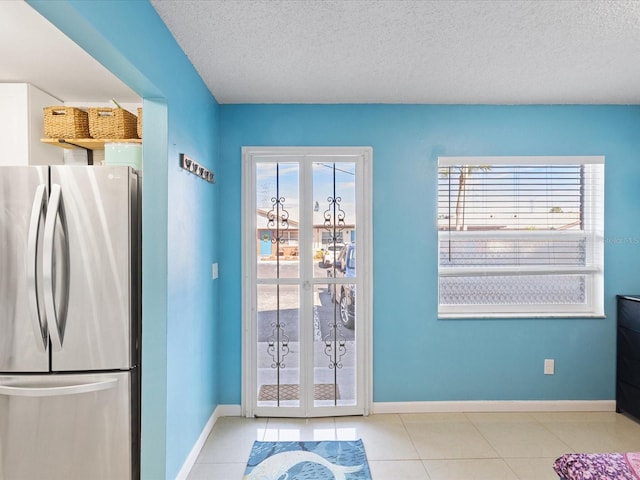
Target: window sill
519 316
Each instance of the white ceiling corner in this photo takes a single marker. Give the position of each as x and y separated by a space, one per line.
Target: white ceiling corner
32 50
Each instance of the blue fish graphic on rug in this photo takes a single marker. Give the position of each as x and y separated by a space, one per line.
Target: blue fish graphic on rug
324 460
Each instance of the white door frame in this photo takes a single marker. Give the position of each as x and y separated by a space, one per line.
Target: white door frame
364 237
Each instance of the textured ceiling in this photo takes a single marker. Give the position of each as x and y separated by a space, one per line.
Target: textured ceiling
412 51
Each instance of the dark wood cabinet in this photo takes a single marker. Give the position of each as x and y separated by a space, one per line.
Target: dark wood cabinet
628 355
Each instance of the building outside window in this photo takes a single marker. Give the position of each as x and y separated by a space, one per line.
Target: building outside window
520 236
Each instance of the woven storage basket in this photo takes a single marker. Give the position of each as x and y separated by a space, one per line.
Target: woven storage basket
112 123
65 122
139 124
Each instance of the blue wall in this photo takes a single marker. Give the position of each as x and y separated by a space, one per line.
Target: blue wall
180 218
416 356
192 359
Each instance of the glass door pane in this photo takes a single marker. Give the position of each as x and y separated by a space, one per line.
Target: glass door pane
278 346
278 220
277 285
334 355
334 212
334 359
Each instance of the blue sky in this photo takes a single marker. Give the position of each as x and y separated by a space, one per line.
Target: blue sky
322 184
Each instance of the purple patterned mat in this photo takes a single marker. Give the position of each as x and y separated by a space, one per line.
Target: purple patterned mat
598 466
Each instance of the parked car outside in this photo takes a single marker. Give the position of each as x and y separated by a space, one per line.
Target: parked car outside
344 293
331 252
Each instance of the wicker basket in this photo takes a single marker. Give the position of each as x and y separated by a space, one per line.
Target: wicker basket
139 124
112 123
65 122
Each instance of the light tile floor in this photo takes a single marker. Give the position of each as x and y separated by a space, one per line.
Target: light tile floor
431 446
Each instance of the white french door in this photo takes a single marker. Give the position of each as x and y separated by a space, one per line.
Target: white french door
306 307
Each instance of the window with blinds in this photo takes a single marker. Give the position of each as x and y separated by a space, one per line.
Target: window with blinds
520 236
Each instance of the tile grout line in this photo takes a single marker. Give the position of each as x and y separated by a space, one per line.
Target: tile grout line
504 460
570 449
404 425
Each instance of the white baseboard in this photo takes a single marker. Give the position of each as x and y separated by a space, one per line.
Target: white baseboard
229 410
220 411
496 406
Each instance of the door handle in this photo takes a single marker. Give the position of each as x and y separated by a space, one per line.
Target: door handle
39 326
47 391
56 316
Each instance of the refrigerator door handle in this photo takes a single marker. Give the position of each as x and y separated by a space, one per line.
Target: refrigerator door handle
56 315
48 391
39 326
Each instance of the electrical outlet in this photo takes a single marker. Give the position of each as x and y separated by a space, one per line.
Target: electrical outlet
214 270
549 366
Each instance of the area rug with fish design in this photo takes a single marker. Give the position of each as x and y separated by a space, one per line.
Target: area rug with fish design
325 460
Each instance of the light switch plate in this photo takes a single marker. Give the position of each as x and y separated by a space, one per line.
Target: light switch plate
549 366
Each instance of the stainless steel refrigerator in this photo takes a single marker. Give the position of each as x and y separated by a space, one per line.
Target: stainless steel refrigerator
69 323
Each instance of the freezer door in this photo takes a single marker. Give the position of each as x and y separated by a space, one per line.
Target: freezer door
23 328
90 268
67 427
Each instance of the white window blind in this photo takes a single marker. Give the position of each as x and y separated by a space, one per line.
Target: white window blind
520 236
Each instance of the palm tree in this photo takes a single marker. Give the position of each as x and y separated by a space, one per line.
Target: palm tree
464 172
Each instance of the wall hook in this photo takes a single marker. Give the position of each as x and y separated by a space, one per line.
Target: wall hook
194 167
